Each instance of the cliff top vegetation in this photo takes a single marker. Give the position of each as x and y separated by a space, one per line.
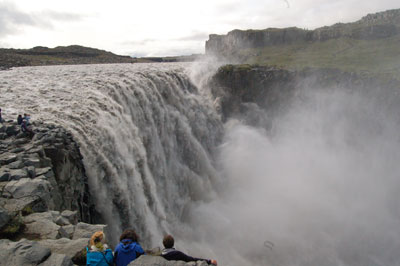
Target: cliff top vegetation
370 45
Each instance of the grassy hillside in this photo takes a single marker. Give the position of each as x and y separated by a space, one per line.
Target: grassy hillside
376 56
370 45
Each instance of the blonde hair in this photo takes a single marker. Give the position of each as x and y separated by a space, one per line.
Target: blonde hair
99 236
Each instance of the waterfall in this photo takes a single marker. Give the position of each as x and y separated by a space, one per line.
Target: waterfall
147 135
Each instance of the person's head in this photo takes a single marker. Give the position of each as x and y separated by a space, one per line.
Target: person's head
19 116
25 114
168 241
98 237
129 234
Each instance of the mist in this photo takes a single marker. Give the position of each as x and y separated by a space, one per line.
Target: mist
318 188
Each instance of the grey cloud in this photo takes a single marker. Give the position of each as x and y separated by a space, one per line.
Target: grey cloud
12 19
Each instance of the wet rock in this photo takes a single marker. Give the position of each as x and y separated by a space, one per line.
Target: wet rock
67 231
17 174
16 165
66 246
28 187
57 260
12 130
4 217
43 171
30 170
22 253
4 175
26 205
148 260
62 221
71 216
41 225
7 158
84 230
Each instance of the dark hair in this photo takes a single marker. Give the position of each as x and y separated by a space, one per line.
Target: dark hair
129 234
168 241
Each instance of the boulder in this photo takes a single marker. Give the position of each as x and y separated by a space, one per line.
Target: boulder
72 216
28 187
26 205
4 217
12 130
7 158
22 253
148 260
41 225
66 246
57 260
84 230
17 174
67 231
60 220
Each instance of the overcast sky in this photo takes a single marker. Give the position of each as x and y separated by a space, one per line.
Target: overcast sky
162 27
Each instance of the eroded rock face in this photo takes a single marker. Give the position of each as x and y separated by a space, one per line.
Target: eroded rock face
43 196
42 173
146 260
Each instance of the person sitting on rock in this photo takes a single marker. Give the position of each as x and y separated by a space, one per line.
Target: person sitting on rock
169 253
19 119
27 117
99 254
128 248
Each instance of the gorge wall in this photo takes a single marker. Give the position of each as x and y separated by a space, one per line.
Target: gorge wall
239 88
373 26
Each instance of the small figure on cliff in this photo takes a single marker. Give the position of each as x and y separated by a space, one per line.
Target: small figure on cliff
27 117
19 119
128 248
27 129
169 253
99 254
1 117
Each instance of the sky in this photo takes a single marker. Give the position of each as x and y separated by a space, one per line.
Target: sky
163 28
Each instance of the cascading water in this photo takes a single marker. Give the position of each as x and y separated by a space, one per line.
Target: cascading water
145 132
319 188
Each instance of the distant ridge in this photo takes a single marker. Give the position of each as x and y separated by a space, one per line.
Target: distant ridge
60 55
369 45
373 26
71 55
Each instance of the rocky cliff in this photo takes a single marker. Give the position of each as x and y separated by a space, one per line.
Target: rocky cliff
241 90
44 198
373 26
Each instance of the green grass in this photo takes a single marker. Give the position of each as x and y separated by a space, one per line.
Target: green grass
380 56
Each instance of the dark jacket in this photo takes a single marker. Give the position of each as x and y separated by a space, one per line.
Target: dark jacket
127 251
173 254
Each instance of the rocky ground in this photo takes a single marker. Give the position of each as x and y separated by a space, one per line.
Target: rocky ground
43 197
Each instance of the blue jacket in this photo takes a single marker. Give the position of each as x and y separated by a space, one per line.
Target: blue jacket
127 251
97 258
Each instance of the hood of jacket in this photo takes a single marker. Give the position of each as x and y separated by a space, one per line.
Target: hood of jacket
127 245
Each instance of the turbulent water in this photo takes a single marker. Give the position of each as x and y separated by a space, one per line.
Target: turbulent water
145 131
320 187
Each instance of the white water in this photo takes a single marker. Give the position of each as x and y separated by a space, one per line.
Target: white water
320 189
145 132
